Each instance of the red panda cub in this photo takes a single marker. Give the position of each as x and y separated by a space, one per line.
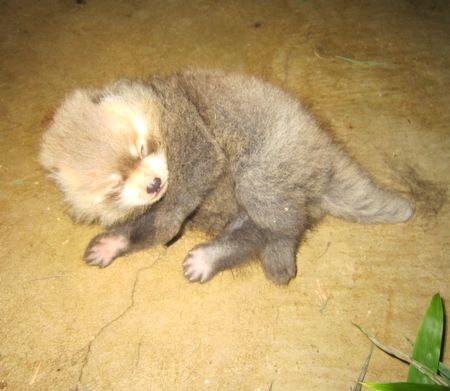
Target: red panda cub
235 156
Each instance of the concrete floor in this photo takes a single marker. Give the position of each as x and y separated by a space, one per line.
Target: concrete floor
138 325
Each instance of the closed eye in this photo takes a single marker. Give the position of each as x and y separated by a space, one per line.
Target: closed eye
142 151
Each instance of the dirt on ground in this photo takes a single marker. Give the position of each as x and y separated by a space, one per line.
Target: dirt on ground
377 73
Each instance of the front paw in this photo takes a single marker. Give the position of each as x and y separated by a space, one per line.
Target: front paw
197 265
104 248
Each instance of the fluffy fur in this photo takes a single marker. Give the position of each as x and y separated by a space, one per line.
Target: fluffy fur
239 158
105 151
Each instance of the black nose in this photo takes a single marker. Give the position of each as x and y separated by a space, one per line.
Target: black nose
154 186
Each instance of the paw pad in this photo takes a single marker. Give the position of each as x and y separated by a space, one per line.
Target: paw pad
104 249
197 265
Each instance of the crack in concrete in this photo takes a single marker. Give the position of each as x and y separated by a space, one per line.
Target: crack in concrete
48 277
138 354
88 348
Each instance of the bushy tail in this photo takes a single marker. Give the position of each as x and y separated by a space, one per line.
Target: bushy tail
354 196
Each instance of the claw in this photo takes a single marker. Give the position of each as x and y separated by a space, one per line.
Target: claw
104 249
197 265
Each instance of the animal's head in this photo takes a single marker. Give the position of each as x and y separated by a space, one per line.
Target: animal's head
105 152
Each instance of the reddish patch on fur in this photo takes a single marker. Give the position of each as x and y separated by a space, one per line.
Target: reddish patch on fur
48 118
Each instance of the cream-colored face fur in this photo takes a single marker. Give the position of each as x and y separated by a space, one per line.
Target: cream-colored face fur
134 192
105 152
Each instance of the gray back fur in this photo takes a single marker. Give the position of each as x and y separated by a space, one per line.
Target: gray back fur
271 142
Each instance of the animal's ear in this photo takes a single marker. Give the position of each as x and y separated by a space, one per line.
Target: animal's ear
48 118
120 84
97 98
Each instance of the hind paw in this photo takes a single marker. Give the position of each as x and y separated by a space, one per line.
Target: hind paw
197 265
281 275
279 261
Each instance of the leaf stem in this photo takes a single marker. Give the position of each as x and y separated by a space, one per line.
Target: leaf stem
404 357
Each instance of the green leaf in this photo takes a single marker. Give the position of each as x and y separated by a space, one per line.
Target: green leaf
436 379
363 371
444 370
427 347
405 387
